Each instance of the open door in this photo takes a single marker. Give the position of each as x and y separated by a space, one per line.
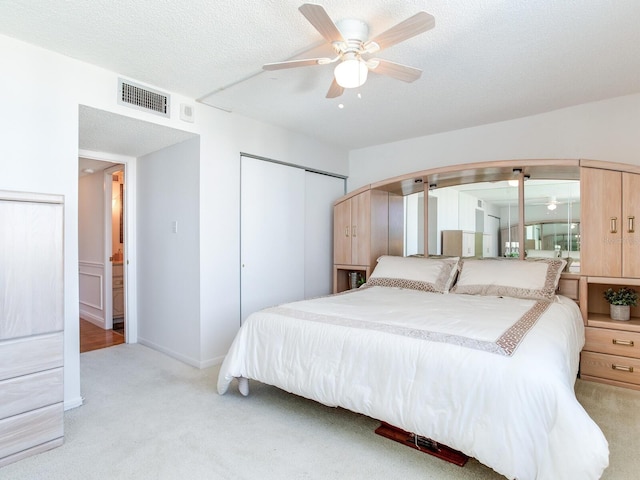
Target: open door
115 249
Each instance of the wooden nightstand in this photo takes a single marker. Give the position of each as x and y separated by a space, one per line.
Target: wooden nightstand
611 353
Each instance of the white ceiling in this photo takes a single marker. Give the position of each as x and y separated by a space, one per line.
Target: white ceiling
485 60
106 132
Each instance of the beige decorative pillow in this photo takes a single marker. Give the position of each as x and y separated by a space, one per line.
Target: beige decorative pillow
536 279
427 274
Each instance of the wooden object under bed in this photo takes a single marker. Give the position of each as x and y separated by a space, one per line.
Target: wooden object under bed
422 444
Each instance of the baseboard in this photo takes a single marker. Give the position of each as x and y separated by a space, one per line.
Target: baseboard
178 356
212 362
89 317
73 403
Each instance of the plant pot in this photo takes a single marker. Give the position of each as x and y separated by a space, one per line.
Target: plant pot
620 312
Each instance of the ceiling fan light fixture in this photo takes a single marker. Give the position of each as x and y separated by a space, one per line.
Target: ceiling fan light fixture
351 73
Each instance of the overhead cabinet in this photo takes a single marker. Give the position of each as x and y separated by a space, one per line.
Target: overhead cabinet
610 243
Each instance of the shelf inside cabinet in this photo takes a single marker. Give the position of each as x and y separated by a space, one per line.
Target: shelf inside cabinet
341 276
598 309
602 320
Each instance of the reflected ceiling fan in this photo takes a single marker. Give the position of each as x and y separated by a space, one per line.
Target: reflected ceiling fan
551 202
349 38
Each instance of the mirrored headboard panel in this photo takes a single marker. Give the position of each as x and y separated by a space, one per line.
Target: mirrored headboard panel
475 210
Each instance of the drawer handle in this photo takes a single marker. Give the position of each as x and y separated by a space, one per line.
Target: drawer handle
346 231
624 368
626 343
614 225
631 228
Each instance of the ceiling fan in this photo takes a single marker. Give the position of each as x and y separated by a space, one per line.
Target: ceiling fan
550 202
349 38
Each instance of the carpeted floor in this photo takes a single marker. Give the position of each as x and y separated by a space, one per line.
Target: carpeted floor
148 416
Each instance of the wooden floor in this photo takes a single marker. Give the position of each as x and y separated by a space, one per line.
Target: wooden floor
93 337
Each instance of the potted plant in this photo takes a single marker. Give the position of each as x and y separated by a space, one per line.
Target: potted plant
621 301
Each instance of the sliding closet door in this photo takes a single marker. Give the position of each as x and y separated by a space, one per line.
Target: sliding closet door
321 191
271 234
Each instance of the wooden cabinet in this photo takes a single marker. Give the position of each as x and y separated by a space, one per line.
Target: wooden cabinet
611 353
609 237
459 243
352 228
118 292
31 324
362 232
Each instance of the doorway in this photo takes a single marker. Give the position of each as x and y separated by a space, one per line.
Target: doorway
102 253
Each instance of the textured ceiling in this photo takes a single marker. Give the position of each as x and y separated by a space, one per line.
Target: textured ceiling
485 60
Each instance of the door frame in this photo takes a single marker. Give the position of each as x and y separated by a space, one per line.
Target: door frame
128 164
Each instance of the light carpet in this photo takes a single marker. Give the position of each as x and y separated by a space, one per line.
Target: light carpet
148 416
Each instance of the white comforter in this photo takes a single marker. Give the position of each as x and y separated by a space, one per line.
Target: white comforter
428 363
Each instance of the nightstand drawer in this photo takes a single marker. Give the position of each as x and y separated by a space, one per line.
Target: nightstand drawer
614 342
612 367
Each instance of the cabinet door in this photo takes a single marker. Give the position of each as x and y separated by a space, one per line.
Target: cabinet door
31 268
360 228
469 244
452 243
601 206
629 225
342 233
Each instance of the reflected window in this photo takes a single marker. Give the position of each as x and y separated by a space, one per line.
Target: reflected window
552 219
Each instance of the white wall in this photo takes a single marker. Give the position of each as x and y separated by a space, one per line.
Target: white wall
91 211
606 130
41 93
168 263
91 217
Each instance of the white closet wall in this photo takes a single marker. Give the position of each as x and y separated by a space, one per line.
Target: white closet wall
285 233
320 193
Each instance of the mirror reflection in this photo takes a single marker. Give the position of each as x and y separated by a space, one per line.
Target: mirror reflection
481 220
552 220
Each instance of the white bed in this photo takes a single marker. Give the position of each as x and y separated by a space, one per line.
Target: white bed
487 374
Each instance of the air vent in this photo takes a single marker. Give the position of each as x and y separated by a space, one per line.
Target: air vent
143 98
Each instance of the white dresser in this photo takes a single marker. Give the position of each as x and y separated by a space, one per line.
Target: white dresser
31 324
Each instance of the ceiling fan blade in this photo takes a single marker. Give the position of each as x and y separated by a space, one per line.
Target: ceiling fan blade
412 26
318 17
296 63
395 70
335 90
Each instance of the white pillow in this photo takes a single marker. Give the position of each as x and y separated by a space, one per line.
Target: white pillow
535 279
427 274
